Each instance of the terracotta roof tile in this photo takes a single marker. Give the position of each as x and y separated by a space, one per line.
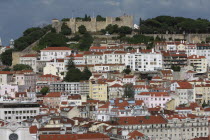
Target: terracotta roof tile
53 94
56 48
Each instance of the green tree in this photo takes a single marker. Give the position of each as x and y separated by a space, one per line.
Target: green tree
128 91
19 67
127 71
175 68
65 30
6 69
82 29
6 57
73 75
204 104
100 18
52 40
125 30
85 42
118 19
86 74
44 90
70 64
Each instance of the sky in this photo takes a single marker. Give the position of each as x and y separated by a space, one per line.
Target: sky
18 15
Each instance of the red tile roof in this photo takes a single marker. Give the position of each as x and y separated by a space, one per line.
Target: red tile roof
76 55
196 57
74 97
56 48
98 47
135 134
184 85
155 93
134 120
87 136
49 75
30 55
33 129
53 94
20 94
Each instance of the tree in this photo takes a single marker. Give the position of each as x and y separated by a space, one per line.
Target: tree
100 18
44 90
6 57
19 67
127 71
52 40
125 30
86 74
128 91
73 75
70 64
175 68
65 30
6 69
82 29
85 42
204 104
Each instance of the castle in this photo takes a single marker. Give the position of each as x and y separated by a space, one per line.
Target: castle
94 25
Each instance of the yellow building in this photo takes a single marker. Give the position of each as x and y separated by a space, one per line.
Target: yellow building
199 63
202 93
98 90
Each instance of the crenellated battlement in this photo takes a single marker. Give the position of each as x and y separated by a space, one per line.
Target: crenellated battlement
94 25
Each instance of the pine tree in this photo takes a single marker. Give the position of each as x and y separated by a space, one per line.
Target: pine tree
86 74
73 75
70 64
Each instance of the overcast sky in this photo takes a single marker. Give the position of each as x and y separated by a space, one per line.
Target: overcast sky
18 15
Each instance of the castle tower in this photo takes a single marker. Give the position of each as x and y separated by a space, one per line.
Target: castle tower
57 25
12 43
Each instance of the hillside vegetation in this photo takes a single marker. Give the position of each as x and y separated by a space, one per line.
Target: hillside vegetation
161 24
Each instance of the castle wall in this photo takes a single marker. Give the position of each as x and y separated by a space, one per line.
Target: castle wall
93 25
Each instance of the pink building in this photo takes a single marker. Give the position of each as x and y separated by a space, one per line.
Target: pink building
153 99
45 80
52 99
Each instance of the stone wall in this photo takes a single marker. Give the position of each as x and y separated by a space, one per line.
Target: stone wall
93 25
196 38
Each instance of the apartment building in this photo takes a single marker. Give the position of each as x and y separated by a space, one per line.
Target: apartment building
18 111
98 90
199 63
146 60
50 53
31 60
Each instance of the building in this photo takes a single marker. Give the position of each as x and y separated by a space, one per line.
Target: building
51 53
199 63
145 60
154 99
69 87
18 111
204 50
174 127
52 99
45 80
120 108
29 59
98 90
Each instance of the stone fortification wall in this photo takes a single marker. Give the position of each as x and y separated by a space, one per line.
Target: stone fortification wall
93 25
